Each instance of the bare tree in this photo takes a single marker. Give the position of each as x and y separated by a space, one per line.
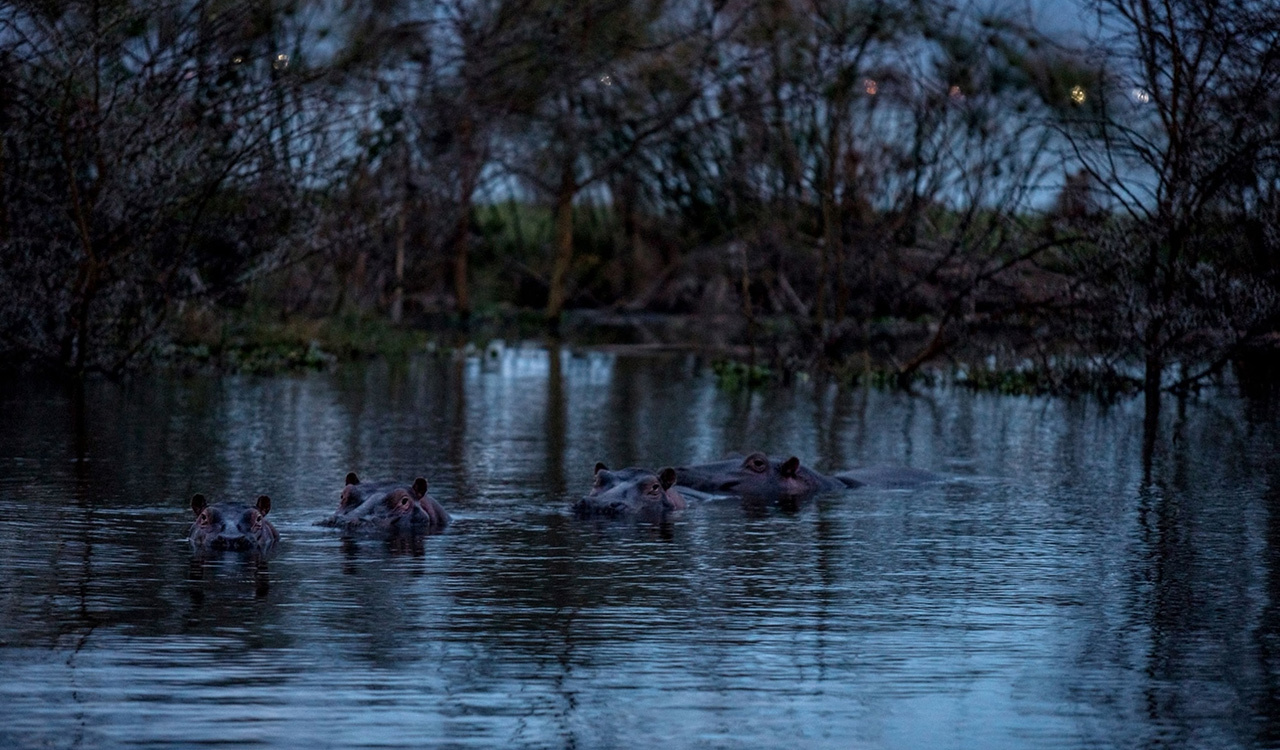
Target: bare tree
1180 136
148 145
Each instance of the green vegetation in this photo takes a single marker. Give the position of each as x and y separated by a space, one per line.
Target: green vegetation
258 341
1041 380
735 376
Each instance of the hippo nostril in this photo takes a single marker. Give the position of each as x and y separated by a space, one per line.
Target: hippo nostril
230 543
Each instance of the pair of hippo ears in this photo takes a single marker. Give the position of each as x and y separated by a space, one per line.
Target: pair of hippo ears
199 503
419 485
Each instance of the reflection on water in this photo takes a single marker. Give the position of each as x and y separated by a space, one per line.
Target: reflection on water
1058 591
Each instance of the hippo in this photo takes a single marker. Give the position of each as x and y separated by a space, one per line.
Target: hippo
631 491
758 476
232 526
387 507
887 477
761 477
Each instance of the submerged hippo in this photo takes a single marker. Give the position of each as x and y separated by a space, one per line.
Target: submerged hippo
887 477
232 526
631 491
387 507
759 476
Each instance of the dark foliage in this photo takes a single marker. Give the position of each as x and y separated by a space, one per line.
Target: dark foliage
818 174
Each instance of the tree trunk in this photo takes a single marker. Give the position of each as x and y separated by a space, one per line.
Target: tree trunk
831 222
842 288
461 249
1158 290
76 348
824 265
4 197
556 292
1152 375
397 295
462 232
636 270
748 310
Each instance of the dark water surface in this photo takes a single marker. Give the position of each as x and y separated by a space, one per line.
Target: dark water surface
1056 592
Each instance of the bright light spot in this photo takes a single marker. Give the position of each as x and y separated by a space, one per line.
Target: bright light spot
606 79
955 93
1140 95
282 61
1077 95
869 85
237 60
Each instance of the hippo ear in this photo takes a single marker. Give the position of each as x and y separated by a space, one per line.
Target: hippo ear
420 487
599 467
198 503
264 504
352 478
667 477
789 467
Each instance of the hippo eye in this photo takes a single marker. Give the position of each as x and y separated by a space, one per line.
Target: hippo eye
653 488
757 464
204 519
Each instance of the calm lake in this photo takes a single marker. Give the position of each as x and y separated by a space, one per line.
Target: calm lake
1056 591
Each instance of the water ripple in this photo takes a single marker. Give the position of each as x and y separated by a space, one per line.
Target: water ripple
1055 592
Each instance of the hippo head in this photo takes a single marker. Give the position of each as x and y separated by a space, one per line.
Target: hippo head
232 526
387 506
752 472
402 507
755 475
631 490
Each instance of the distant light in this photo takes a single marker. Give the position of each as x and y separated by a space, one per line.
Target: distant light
869 85
606 79
1077 95
955 93
237 60
282 61
1140 95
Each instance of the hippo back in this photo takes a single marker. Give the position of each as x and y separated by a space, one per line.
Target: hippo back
888 477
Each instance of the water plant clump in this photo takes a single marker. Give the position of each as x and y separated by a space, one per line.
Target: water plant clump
732 375
1036 379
